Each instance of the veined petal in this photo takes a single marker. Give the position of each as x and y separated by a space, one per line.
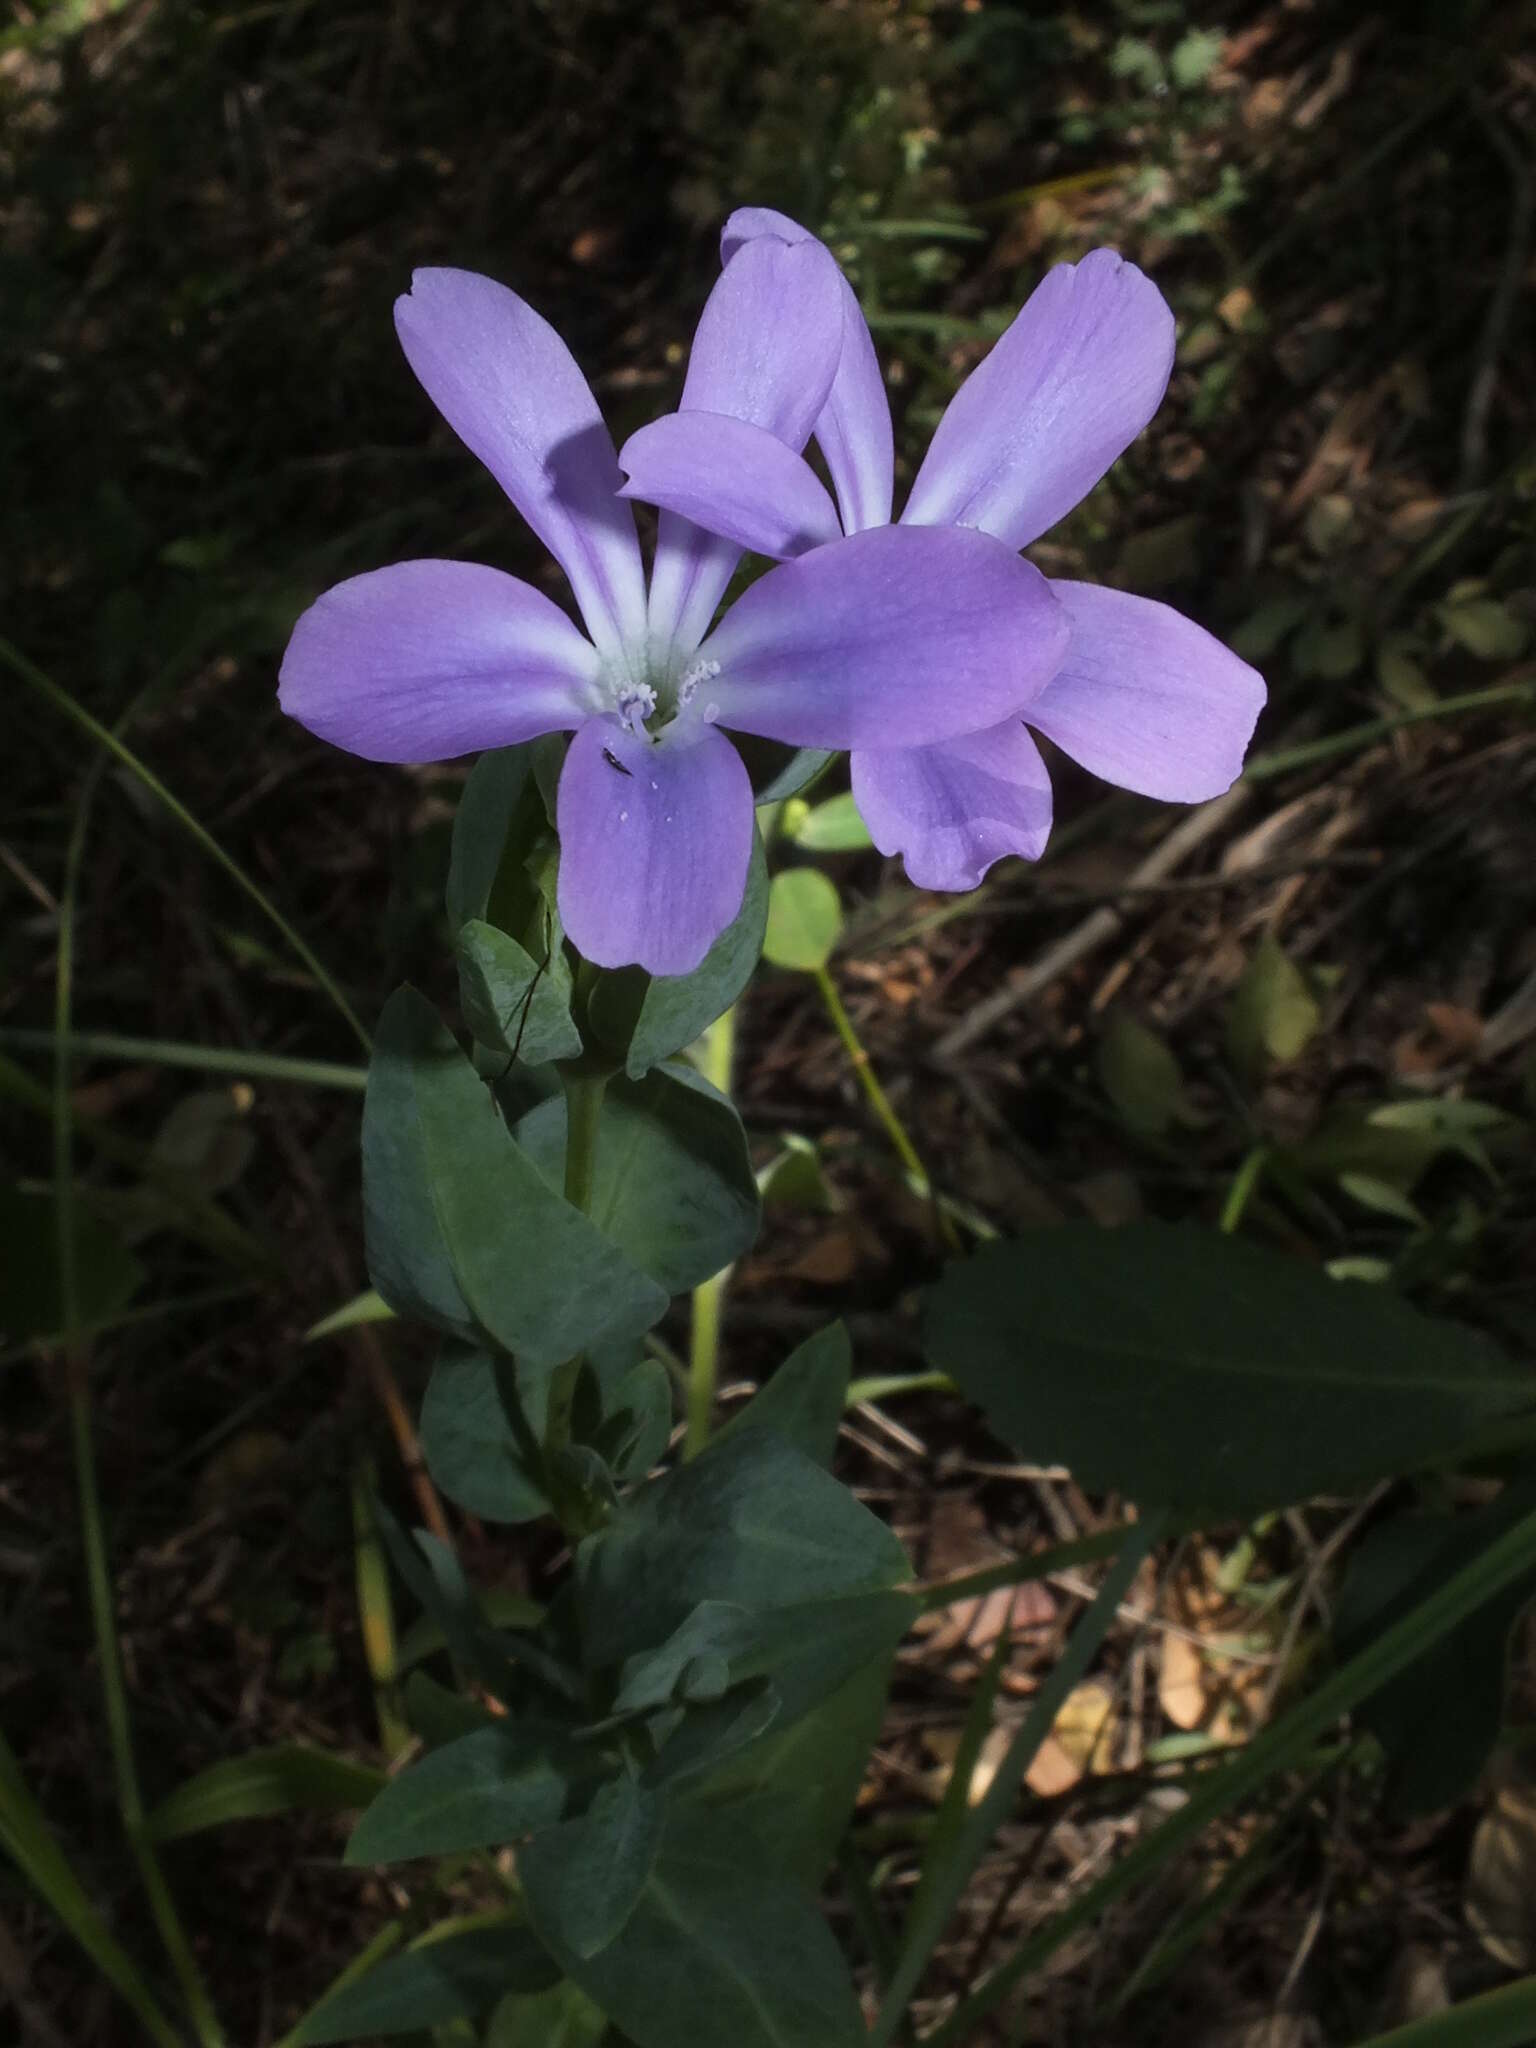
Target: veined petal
950 811
732 479
764 351
1147 699
655 837
893 638
510 389
767 343
854 427
432 659
1064 392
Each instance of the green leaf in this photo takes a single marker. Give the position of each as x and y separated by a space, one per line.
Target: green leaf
794 1180
804 920
633 1432
107 1275
831 827
487 1787
1274 1012
291 1778
462 1228
751 1522
649 1019
1263 631
473 1450
367 1307
1439 1719
1140 1075
704 1735
650 1677
1486 628
803 1402
445 1977
1195 1370
799 772
673 1187
562 2017
720 1950
584 1879
511 1001
1195 56
498 796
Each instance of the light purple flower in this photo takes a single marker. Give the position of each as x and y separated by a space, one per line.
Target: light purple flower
891 637
1144 697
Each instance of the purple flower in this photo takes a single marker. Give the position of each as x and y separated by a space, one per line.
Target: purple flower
889 638
1144 697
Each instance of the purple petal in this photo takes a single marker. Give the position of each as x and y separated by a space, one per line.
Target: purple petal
767 343
510 389
764 351
655 837
1062 394
893 638
951 811
854 427
1147 699
432 659
732 479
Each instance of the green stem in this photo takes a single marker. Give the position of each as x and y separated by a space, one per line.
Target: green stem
61 700
202 1059
1282 760
26 1837
1505 2018
1244 1181
583 1113
709 1295
92 1529
881 1103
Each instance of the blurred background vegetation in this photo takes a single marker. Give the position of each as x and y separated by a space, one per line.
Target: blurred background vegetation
1317 1022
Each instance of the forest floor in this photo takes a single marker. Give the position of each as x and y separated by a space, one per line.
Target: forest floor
204 216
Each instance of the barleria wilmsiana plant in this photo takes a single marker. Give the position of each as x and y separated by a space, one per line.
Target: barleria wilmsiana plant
654 1768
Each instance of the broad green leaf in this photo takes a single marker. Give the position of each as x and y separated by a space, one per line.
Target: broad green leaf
107 1275
474 1451
584 1878
462 1228
648 1019
1193 1370
752 1522
831 827
674 1188
487 1787
803 1402
719 1950
804 920
288 1779
444 1977
1140 1075
512 1002
562 2017
1439 1719
1274 1012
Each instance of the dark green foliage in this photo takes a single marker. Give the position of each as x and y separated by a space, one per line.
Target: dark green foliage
1199 1372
